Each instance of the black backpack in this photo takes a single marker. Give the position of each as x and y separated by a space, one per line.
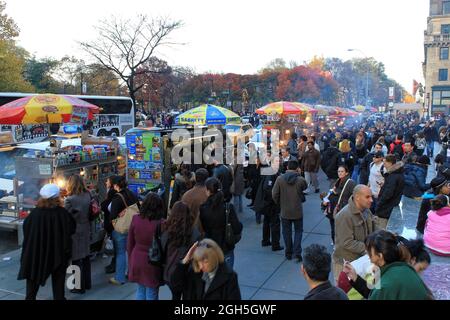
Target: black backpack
398 151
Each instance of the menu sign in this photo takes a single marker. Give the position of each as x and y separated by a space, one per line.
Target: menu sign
145 165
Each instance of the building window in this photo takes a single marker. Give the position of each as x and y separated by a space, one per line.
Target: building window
437 98
444 53
445 28
443 74
446 7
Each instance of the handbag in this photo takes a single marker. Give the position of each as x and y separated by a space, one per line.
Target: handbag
94 209
155 252
231 238
123 222
337 208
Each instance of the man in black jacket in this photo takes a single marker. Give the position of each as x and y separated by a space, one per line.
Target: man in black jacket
391 191
316 269
330 161
223 174
271 212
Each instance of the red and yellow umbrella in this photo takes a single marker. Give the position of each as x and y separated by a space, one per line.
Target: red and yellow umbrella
284 107
47 108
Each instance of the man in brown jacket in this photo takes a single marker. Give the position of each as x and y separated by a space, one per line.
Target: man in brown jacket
353 224
197 196
311 165
288 193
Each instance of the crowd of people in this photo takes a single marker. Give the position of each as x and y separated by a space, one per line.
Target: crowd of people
369 169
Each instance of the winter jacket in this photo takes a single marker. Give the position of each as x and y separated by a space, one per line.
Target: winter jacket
399 281
311 161
351 232
194 198
391 191
117 205
415 180
264 202
330 162
224 175
348 159
213 221
365 168
180 187
292 144
336 195
431 134
425 207
326 291
140 238
437 231
78 206
288 193
238 185
224 286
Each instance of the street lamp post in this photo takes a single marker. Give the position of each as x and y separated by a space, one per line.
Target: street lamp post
367 75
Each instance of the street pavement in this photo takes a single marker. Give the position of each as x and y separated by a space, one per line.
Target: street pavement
262 274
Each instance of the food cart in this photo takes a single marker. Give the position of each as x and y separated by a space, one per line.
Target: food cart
95 159
148 161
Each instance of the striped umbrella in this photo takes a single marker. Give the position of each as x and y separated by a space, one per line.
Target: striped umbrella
284 107
208 114
47 108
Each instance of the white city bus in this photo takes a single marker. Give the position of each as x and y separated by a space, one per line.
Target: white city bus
116 117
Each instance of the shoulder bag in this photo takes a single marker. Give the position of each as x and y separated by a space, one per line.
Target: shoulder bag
123 222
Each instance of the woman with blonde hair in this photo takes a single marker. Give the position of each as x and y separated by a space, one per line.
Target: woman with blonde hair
78 202
203 274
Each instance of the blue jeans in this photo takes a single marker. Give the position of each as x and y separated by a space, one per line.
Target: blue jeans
229 259
356 170
430 148
287 236
145 293
238 203
120 244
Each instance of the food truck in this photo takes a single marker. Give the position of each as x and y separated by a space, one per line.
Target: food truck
94 158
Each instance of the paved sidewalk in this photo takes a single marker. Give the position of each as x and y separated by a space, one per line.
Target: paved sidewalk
263 274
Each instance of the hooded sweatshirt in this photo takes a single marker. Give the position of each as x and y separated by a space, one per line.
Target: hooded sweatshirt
288 193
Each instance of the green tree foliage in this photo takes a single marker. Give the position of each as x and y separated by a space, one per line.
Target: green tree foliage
12 58
39 72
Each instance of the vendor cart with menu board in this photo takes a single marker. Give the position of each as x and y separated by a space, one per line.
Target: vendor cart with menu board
94 162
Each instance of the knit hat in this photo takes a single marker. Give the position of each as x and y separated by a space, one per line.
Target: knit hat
378 154
438 182
49 191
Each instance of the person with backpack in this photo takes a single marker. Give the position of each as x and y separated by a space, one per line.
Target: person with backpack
123 199
179 233
396 147
213 217
347 158
140 238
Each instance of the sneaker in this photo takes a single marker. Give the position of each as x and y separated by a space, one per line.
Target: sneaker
266 244
115 282
288 256
317 191
279 248
299 259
